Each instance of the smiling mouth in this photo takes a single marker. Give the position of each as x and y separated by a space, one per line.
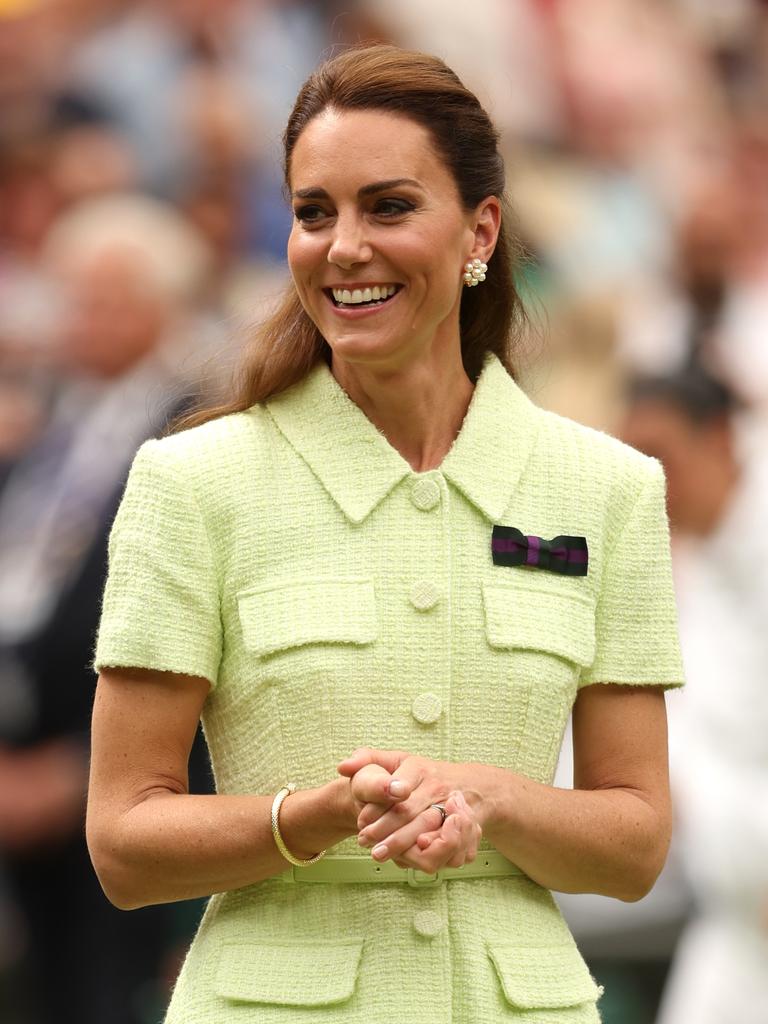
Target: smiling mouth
359 298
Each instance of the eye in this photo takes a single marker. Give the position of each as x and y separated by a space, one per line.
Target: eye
393 207
309 214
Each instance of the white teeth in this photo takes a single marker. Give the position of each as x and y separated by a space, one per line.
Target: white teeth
358 295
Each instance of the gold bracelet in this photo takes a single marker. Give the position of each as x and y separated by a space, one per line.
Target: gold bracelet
290 787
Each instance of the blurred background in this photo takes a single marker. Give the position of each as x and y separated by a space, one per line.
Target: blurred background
142 230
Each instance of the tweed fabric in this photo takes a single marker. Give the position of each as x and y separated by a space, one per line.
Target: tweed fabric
285 554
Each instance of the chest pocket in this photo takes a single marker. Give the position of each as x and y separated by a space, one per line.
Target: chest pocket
532 616
293 613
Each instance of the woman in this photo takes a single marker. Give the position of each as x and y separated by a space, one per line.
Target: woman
330 572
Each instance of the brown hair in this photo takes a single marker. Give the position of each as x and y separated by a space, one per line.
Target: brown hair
423 88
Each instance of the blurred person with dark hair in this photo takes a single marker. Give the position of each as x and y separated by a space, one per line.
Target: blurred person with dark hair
129 270
718 505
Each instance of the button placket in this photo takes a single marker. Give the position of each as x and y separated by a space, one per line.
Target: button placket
427 598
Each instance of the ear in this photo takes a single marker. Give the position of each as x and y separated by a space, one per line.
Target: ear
485 225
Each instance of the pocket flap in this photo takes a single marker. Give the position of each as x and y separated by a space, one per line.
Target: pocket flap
545 977
289 974
277 616
541 618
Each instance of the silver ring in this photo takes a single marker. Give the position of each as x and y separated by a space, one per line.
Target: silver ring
442 810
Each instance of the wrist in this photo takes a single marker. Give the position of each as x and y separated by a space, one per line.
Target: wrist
312 820
343 808
483 795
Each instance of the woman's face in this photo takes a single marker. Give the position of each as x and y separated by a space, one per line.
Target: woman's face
377 218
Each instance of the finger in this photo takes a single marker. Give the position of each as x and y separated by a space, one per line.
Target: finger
396 817
443 848
426 838
465 829
371 813
388 759
372 785
452 805
455 845
402 838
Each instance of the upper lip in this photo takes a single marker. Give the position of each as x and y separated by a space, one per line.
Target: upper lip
351 286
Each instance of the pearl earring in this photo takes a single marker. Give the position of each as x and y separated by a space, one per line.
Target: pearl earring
474 272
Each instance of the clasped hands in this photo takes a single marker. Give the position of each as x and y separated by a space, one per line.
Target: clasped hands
393 790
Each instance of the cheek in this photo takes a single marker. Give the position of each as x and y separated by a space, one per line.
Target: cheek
303 255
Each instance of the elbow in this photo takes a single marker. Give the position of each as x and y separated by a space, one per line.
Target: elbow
120 885
635 889
642 874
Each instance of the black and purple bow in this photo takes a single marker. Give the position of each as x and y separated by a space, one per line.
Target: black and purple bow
566 555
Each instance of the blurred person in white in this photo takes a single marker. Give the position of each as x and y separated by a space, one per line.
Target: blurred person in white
130 270
718 506
709 442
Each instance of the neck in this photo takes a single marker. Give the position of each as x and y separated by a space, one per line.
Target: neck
419 407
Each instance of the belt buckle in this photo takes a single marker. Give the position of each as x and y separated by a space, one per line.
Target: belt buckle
418 879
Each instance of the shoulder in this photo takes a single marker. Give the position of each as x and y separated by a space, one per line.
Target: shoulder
600 458
602 479
203 453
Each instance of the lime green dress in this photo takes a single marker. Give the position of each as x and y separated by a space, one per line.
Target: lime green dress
334 598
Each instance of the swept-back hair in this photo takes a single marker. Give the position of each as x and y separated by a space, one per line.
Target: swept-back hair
423 88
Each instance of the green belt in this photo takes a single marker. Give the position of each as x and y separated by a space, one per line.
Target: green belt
355 868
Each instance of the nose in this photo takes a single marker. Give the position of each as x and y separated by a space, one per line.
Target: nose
349 244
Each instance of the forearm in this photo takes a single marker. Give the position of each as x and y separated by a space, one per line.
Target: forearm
611 841
174 846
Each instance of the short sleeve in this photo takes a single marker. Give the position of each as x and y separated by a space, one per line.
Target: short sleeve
637 637
161 606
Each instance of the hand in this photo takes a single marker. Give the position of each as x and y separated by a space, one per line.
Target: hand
397 818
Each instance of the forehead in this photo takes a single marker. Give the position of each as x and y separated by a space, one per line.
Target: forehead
345 148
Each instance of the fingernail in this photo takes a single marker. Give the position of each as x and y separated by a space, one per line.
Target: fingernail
397 788
380 851
364 840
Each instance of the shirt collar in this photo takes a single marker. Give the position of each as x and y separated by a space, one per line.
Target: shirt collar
358 466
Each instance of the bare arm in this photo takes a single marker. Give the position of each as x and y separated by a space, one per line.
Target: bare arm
609 835
149 839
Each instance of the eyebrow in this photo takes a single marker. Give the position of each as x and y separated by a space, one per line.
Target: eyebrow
366 190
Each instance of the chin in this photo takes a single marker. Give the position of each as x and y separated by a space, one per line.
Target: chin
359 348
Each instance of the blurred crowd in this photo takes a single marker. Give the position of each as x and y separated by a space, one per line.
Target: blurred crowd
143 229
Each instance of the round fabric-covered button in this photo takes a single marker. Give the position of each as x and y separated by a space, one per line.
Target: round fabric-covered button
426 708
428 923
425 494
424 595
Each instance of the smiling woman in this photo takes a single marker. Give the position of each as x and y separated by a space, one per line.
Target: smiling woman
311 569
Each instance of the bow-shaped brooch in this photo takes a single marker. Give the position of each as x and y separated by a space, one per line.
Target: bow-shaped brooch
566 555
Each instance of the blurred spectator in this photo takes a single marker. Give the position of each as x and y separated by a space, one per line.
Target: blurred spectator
129 270
718 504
195 82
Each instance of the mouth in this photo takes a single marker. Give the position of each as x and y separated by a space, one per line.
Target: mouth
362 298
